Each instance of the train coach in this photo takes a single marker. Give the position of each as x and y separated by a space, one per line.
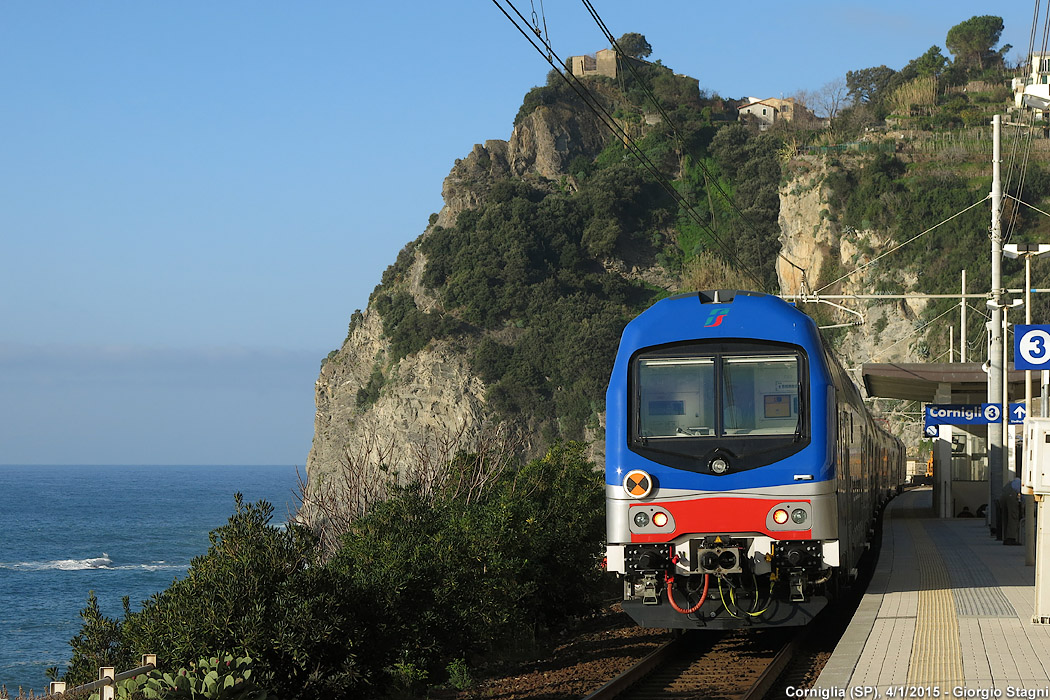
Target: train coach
743 471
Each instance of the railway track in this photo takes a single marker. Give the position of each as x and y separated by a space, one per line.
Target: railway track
742 665
725 665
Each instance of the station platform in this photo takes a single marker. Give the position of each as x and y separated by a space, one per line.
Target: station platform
948 614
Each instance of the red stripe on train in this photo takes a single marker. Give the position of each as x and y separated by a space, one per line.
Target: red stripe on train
720 516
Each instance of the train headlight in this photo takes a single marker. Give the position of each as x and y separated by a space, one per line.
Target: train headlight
659 519
780 516
798 516
641 519
719 465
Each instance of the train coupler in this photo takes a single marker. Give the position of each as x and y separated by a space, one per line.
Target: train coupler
650 594
796 581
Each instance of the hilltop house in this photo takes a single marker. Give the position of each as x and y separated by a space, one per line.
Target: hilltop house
604 62
601 63
769 110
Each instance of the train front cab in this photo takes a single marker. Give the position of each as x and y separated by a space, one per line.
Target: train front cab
732 519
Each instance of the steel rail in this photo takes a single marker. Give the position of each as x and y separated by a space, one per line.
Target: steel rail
632 676
617 686
764 683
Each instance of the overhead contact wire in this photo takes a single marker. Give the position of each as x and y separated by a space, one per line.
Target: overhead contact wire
609 122
674 128
901 245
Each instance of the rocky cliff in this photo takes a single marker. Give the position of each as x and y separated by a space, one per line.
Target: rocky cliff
815 255
377 414
543 144
816 252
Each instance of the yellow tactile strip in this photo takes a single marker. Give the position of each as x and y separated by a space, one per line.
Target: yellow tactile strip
936 656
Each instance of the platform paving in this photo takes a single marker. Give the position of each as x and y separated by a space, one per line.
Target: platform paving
948 614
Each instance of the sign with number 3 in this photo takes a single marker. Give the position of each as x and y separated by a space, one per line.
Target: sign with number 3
1031 347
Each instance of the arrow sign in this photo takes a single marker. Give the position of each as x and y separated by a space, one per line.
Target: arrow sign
1032 347
1017 412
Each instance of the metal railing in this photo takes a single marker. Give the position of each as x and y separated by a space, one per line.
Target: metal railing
107 678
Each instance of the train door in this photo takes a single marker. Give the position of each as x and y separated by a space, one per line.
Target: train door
858 494
845 491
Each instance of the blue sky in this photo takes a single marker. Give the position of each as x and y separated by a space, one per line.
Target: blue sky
194 197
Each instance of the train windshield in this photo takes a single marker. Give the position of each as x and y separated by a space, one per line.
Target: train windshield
689 393
676 397
760 395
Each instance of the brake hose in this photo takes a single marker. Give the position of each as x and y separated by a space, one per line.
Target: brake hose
669 580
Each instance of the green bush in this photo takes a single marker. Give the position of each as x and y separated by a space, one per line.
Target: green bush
261 592
408 328
484 565
459 674
530 260
369 393
427 577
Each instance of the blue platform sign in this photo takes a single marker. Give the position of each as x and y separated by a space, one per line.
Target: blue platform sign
968 414
1031 347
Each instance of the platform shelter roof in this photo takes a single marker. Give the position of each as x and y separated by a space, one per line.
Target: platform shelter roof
918 381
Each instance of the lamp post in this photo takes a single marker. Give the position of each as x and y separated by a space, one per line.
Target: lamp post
1029 251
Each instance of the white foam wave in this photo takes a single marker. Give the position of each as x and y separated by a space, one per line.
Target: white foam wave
151 567
103 562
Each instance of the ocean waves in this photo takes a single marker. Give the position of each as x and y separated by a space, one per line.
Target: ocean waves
57 551
90 563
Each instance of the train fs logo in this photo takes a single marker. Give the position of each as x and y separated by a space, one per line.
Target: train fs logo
715 317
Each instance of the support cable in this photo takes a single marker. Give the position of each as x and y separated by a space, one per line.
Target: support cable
901 245
914 331
1020 201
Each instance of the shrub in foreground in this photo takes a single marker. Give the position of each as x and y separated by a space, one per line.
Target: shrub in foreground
426 579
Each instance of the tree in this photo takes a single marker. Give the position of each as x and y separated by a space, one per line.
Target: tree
634 45
931 63
867 86
831 97
971 41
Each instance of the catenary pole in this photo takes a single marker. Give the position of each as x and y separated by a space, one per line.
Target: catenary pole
962 320
1028 499
996 439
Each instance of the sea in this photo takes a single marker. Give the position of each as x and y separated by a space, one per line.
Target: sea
115 530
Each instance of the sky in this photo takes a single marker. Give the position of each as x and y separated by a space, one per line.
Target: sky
194 197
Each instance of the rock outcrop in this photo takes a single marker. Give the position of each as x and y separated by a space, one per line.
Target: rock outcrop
816 255
428 399
543 144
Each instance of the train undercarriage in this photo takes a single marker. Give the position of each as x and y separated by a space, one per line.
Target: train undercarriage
726 582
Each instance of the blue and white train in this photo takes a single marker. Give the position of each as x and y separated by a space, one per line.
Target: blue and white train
743 471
